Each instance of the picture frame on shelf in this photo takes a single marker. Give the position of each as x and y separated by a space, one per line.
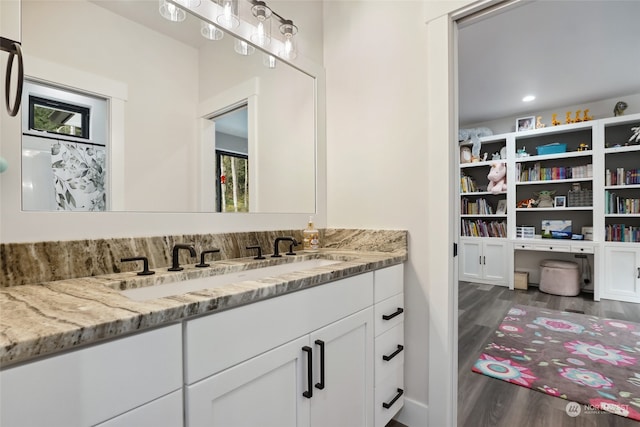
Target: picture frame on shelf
560 201
525 123
502 207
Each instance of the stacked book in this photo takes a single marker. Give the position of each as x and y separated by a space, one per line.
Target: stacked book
622 233
468 184
479 207
480 228
620 205
539 173
622 177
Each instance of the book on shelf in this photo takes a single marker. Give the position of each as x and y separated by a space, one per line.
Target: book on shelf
480 228
479 207
539 173
467 184
614 204
620 176
622 233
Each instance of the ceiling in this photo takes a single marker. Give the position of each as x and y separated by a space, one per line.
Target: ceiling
563 52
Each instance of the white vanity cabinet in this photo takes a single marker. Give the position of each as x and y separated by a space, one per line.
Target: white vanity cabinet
302 359
117 383
389 343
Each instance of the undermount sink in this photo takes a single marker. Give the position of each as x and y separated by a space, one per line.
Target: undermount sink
192 285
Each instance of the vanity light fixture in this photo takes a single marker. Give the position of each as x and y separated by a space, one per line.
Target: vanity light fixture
288 30
262 33
210 31
229 17
171 12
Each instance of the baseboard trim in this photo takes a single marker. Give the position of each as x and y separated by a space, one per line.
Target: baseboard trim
413 414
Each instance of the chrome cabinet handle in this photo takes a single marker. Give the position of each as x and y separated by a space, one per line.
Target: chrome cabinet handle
15 51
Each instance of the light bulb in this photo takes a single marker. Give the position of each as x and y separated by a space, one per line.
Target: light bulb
243 48
171 12
229 17
210 31
269 61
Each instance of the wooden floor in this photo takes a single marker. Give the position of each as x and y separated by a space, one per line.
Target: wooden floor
484 401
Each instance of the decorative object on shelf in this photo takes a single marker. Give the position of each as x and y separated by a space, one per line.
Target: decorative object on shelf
587 232
553 148
502 207
527 203
503 153
465 155
539 124
636 135
577 198
619 108
567 118
578 119
474 135
556 228
545 198
522 152
525 123
497 178
495 156
585 116
560 201
554 120
583 147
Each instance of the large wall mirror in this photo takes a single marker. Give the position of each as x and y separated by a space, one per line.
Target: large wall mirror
175 105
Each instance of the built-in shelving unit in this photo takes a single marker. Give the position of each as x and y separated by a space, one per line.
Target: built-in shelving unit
597 177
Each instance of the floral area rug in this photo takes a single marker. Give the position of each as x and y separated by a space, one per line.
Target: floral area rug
581 358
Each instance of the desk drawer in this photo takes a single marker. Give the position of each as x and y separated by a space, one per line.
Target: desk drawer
582 249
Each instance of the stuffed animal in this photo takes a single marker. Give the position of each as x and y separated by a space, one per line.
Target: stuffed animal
636 134
497 178
474 134
619 108
545 199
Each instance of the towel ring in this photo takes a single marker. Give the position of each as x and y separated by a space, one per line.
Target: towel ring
14 50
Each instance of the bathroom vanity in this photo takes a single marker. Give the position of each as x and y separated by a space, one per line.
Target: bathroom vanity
318 347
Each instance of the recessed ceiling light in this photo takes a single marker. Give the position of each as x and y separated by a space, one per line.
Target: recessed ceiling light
528 98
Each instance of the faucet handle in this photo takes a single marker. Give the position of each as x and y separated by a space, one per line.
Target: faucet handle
145 269
203 253
259 256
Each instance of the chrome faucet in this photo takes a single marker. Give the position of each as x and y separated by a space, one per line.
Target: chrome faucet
174 258
276 246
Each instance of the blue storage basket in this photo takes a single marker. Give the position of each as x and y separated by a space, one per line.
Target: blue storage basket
554 148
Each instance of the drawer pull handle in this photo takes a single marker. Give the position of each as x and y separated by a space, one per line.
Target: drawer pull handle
638 272
309 393
398 312
387 405
394 354
320 385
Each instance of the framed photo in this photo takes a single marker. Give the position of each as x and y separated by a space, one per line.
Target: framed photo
525 123
502 207
560 201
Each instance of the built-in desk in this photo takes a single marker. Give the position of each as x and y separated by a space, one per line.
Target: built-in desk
554 249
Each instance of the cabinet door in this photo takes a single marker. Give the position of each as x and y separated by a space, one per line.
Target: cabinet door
621 274
265 391
345 397
494 260
470 260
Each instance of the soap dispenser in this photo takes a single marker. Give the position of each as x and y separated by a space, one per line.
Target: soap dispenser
311 237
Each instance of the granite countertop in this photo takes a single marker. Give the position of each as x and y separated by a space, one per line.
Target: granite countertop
42 319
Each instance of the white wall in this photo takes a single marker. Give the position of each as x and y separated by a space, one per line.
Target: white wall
375 57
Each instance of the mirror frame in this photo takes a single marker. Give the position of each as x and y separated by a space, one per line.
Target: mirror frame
23 226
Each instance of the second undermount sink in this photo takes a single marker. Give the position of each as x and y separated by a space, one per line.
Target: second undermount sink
192 285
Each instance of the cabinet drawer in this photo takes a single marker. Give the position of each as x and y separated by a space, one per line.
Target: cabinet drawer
389 313
389 397
389 352
88 386
584 249
218 341
164 412
388 282
524 246
553 247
